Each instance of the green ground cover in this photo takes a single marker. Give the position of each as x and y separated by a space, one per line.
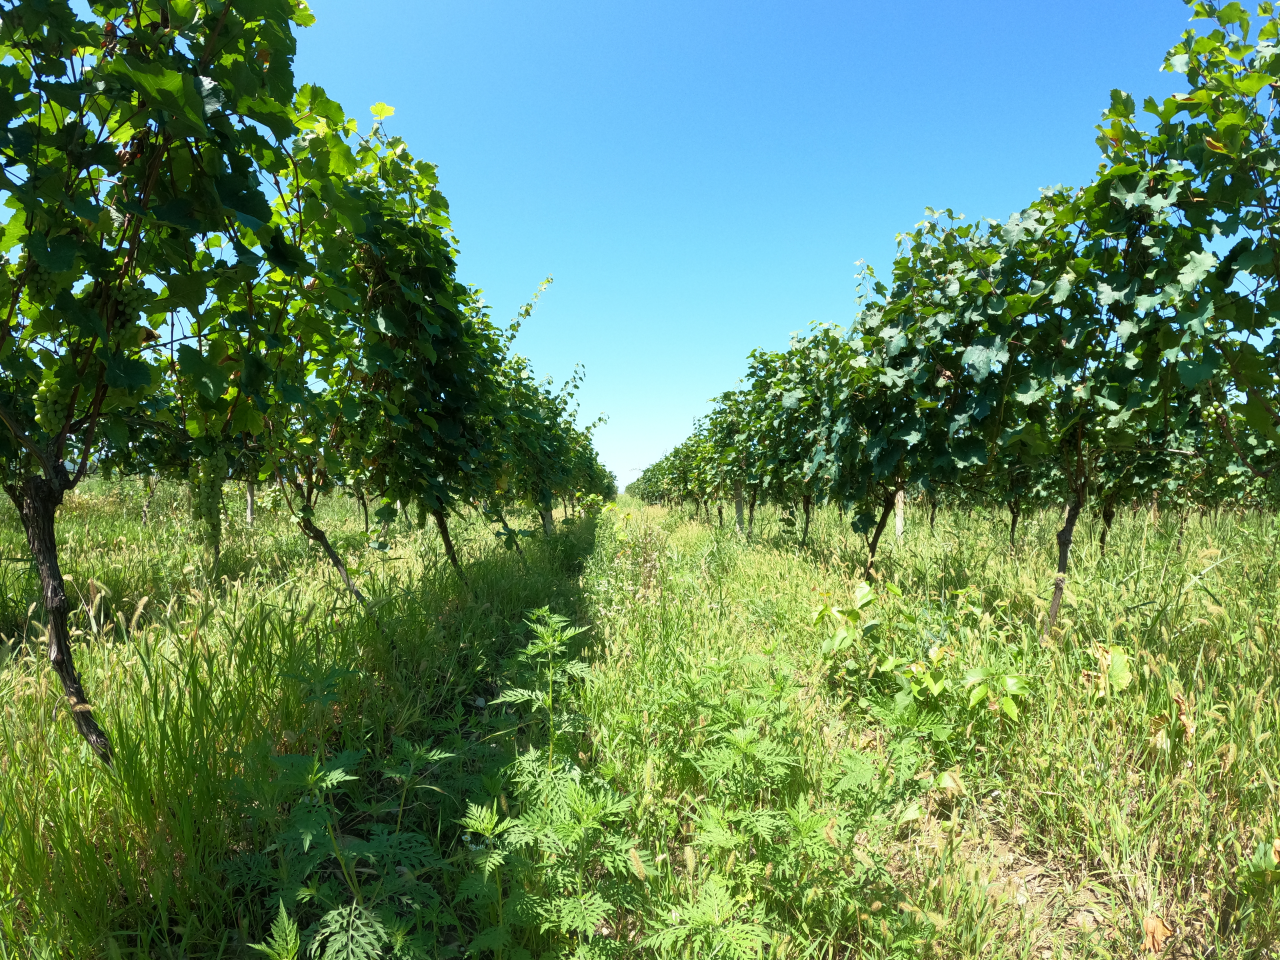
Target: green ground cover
745 751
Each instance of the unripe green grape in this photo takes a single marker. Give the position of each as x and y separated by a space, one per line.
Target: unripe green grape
132 297
52 403
193 489
41 282
206 479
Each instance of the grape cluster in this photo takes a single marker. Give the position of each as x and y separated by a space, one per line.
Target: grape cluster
205 480
53 403
41 282
133 298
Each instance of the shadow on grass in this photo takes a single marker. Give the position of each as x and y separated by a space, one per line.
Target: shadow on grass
189 844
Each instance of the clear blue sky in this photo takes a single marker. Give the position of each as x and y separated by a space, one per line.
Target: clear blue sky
701 178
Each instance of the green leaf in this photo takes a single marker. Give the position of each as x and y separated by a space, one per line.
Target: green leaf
1121 106
1016 685
1258 256
284 942
583 914
1118 675
126 373
381 111
491 939
1265 860
984 353
1192 373
284 256
308 821
271 114
188 290
175 93
209 378
247 419
1233 12
1196 315
1258 414
15 228
351 932
970 452
1198 266
183 13
56 253
859 771
863 595
342 162
389 321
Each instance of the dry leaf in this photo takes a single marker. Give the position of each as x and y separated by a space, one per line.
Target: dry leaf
1184 716
1086 920
1159 739
1155 933
950 783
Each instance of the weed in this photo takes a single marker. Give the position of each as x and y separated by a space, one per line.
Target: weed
638 739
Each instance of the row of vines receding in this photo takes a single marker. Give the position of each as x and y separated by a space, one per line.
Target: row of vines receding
210 273
1106 345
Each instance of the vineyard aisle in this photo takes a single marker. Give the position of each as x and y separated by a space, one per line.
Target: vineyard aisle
648 735
325 632
822 766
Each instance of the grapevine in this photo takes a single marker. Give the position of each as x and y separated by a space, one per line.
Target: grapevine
1103 345
111 227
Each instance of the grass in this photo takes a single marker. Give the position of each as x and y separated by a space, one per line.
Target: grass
1102 808
205 687
703 770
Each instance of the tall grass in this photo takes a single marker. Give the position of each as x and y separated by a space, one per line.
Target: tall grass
637 740
202 685
1102 808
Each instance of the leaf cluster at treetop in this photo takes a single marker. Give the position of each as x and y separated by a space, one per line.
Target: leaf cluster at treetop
210 273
